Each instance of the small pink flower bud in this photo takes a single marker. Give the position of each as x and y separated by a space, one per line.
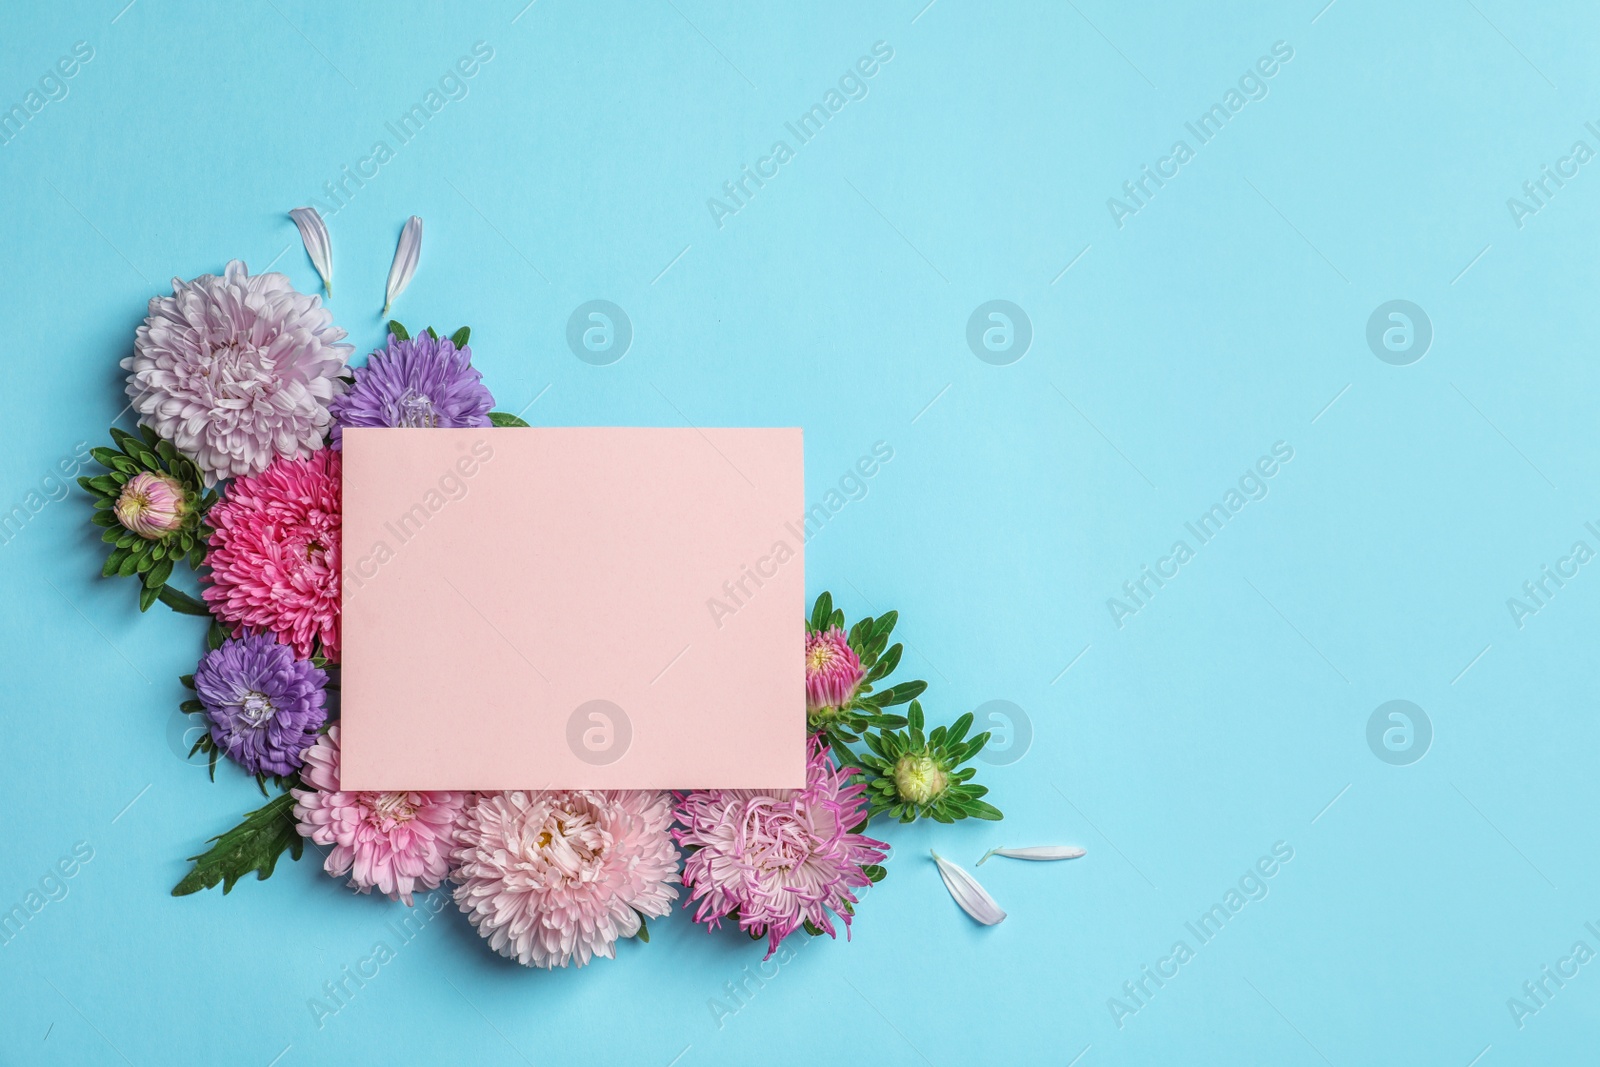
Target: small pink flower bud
833 670
151 505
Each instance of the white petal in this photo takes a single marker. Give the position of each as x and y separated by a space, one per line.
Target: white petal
314 235
405 260
1036 852
972 897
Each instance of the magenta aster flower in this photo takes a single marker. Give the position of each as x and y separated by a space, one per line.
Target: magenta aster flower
236 370
396 843
151 505
264 706
421 381
553 878
780 858
833 670
275 553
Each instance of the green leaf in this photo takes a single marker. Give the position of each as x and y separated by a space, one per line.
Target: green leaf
114 562
215 636
157 576
191 707
132 563
182 602
874 872
105 483
147 596
150 437
432 334
914 715
979 809
501 418
901 693
187 681
644 927
459 339
821 611
399 331
254 845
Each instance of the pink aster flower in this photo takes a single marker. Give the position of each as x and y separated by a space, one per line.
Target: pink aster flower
236 369
275 553
833 670
779 858
396 843
553 878
151 505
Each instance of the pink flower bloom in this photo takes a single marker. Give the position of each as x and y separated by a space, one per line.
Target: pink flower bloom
781 858
151 505
549 878
833 670
275 553
236 370
396 843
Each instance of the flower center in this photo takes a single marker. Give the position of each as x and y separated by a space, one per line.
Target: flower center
819 658
416 409
256 710
565 848
919 779
391 809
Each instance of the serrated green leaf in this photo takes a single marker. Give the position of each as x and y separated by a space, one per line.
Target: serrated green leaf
254 845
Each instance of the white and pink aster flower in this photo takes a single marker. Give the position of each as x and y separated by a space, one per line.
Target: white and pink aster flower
778 858
237 369
396 843
555 878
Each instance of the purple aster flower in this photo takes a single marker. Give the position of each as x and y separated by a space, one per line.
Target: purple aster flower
421 381
265 706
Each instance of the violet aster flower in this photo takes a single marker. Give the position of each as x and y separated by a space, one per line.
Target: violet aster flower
420 381
264 705
235 370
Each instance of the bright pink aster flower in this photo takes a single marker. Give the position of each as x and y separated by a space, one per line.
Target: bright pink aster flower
275 553
781 857
556 877
396 843
833 670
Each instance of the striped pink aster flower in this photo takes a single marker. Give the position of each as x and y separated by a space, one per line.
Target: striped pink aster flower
274 554
396 843
779 858
833 670
554 878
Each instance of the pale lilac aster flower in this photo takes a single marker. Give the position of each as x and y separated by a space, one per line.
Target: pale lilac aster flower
237 369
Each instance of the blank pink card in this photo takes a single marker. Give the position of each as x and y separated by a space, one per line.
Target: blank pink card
543 608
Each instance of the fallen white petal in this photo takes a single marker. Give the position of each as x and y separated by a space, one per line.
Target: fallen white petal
405 260
314 235
972 897
1036 852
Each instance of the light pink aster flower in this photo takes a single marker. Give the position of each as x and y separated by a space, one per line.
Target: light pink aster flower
780 858
396 843
237 369
553 878
151 505
833 670
275 553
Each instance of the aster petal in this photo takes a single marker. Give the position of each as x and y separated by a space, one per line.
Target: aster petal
406 255
319 247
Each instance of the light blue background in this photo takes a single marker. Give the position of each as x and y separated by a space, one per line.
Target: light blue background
1225 316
